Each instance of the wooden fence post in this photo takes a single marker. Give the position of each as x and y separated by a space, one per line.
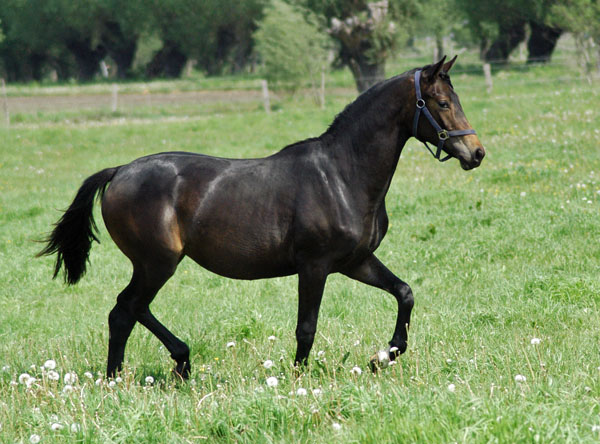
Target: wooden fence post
115 98
265 93
5 102
487 71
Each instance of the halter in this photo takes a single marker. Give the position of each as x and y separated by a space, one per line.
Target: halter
443 134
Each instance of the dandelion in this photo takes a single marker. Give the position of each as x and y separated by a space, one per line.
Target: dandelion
357 343
112 384
24 377
317 392
118 380
75 428
70 378
535 341
56 426
320 354
272 381
523 194
230 344
272 338
596 428
448 361
5 368
301 391
336 426
50 364
356 370
268 364
520 378
88 375
98 381
53 376
451 388
67 389
34 439
149 380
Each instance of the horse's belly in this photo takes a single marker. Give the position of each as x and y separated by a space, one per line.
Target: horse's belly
241 260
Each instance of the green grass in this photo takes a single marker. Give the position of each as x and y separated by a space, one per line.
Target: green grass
495 257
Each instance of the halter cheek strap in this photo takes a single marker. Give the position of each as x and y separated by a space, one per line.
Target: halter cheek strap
443 134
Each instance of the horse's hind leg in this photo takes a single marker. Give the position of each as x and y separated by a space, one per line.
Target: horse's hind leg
133 305
372 272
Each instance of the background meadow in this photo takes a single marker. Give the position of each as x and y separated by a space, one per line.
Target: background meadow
503 262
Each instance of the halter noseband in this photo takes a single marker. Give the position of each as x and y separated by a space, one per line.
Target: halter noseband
443 134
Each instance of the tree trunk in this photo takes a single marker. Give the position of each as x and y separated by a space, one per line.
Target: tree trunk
509 38
542 42
120 48
87 58
366 73
168 62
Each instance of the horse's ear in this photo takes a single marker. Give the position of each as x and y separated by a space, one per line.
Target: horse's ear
432 71
448 65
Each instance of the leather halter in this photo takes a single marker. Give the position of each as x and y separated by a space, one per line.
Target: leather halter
443 134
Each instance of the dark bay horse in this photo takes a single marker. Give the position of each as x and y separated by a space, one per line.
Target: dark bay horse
314 208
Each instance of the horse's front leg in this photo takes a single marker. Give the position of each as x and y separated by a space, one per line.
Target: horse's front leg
372 272
311 283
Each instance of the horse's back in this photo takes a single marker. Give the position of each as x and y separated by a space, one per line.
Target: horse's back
232 216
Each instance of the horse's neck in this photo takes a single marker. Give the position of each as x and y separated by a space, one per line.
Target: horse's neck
369 150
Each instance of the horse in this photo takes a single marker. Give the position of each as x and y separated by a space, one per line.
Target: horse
314 208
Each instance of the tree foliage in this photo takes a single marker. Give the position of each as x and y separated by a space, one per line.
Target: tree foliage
290 44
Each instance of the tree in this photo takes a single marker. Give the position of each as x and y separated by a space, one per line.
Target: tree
582 18
501 27
366 32
290 45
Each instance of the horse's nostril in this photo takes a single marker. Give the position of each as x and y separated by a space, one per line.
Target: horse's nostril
479 154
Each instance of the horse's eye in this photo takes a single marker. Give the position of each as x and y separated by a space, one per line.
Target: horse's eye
444 104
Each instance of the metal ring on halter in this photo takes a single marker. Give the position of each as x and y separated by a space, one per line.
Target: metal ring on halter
420 103
443 135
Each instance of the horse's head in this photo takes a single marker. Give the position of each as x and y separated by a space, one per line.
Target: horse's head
446 125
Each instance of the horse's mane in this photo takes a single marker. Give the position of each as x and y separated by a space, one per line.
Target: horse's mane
351 113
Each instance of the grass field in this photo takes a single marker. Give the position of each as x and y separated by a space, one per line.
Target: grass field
504 263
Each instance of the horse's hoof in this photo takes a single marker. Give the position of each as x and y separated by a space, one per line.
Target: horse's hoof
182 370
379 361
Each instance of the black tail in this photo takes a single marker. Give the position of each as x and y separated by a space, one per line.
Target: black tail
72 236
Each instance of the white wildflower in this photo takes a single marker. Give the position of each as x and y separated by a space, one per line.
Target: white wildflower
336 426
88 375
268 364
596 428
535 341
451 388
70 378
356 370
56 426
317 392
112 384
520 378
272 381
50 364
24 377
118 380
149 380
230 344
34 439
98 381
301 391
75 428
272 338
523 194
53 376
67 389
320 354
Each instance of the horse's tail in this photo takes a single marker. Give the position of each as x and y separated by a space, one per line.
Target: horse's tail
72 236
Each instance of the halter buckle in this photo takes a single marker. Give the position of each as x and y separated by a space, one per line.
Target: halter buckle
420 103
443 135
